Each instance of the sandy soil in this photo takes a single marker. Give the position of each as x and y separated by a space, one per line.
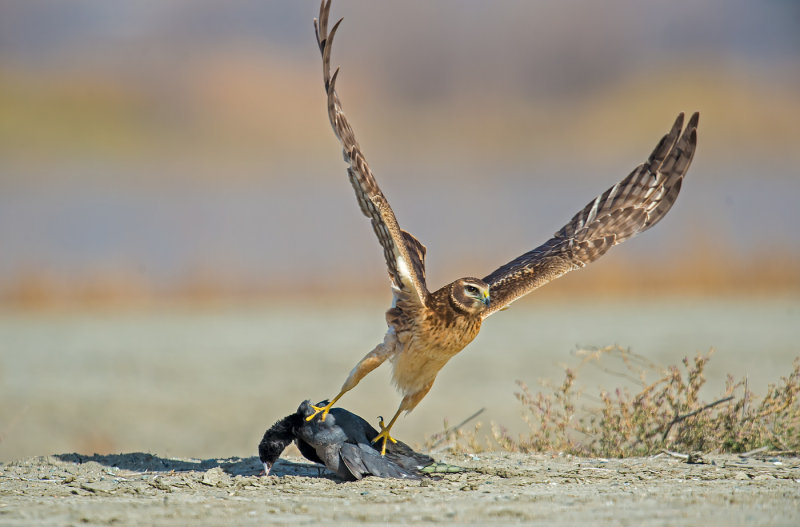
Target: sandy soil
500 488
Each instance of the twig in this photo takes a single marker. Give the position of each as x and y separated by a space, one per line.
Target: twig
770 452
447 432
744 399
754 451
678 419
618 374
690 414
676 454
592 357
784 453
441 447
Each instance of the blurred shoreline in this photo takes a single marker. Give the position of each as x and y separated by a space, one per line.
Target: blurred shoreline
699 278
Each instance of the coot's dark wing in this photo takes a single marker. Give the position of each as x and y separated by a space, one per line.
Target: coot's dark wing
360 431
308 451
364 460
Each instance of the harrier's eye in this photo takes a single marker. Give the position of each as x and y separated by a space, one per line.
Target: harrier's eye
472 289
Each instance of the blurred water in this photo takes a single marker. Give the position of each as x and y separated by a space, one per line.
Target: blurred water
308 227
207 382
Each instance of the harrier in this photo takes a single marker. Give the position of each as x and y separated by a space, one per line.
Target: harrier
426 329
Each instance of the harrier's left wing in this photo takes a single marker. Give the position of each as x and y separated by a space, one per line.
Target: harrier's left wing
631 206
405 255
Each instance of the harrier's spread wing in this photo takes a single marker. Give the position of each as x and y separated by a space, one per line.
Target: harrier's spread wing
405 255
631 206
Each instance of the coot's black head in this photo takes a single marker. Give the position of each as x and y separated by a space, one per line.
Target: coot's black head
276 439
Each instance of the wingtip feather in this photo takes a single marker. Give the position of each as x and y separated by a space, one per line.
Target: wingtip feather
694 120
331 85
332 32
679 121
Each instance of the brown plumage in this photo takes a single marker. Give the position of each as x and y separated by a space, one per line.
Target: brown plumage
427 329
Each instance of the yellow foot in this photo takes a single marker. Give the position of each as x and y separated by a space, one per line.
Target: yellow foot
317 409
384 435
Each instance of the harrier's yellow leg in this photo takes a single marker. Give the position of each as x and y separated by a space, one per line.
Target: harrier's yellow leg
371 360
407 404
385 431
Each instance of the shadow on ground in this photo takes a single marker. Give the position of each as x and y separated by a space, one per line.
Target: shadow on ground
234 466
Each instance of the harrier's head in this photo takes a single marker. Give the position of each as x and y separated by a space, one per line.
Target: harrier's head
470 295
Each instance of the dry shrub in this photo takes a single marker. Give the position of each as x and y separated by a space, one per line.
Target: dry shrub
667 413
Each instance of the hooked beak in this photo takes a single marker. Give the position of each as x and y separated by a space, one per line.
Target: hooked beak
486 299
267 468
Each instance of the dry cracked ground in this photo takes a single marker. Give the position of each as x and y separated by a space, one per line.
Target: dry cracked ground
498 488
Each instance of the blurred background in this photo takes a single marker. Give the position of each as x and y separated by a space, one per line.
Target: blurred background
182 260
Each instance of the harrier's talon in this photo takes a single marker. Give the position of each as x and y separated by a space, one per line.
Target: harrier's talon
317 409
324 409
384 435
